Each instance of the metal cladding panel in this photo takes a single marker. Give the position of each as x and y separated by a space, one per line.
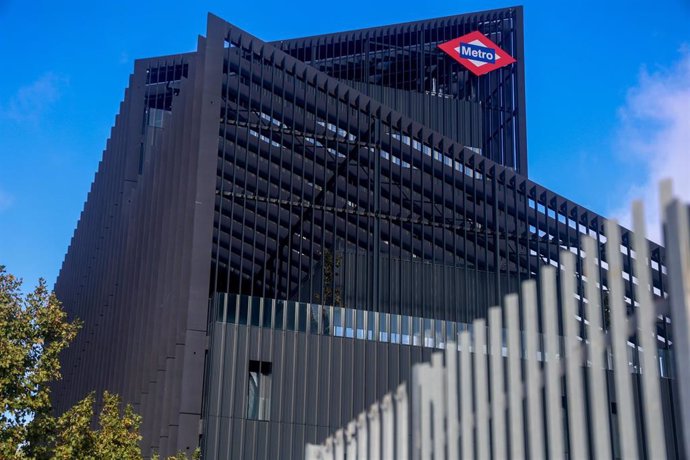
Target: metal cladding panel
132 271
237 436
298 415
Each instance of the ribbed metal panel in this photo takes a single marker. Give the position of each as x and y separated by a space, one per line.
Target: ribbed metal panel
134 272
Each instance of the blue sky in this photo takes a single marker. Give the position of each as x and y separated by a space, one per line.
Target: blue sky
608 95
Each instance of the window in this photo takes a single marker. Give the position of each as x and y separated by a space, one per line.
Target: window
259 390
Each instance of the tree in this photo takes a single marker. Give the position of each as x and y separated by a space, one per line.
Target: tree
33 331
116 439
196 455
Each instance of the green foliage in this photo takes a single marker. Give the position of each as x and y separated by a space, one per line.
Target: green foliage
119 436
33 331
332 294
196 455
75 438
116 439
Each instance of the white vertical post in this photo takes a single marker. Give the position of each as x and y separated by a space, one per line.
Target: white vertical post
351 440
436 396
552 365
421 410
535 424
678 262
498 405
655 440
516 423
466 439
387 427
481 392
401 427
621 374
598 401
362 436
576 417
374 432
339 445
327 448
312 452
452 399
417 412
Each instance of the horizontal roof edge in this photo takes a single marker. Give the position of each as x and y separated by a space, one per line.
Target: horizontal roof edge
400 24
166 57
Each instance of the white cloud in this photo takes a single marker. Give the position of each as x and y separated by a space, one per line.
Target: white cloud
32 100
655 133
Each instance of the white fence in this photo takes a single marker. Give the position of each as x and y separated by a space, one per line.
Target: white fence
496 398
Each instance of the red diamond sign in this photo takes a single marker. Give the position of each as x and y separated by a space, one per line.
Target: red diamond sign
476 52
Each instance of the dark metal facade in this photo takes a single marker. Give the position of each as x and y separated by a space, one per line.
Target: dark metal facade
363 179
316 176
402 67
136 271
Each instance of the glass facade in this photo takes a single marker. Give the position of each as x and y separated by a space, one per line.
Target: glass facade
368 170
285 315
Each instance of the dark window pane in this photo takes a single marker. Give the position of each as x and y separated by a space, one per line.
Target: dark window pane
244 309
302 317
232 309
280 311
259 390
325 322
290 316
267 313
219 307
256 310
314 318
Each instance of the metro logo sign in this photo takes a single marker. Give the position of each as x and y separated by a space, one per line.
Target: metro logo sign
476 52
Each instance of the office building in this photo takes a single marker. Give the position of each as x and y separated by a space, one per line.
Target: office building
278 231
